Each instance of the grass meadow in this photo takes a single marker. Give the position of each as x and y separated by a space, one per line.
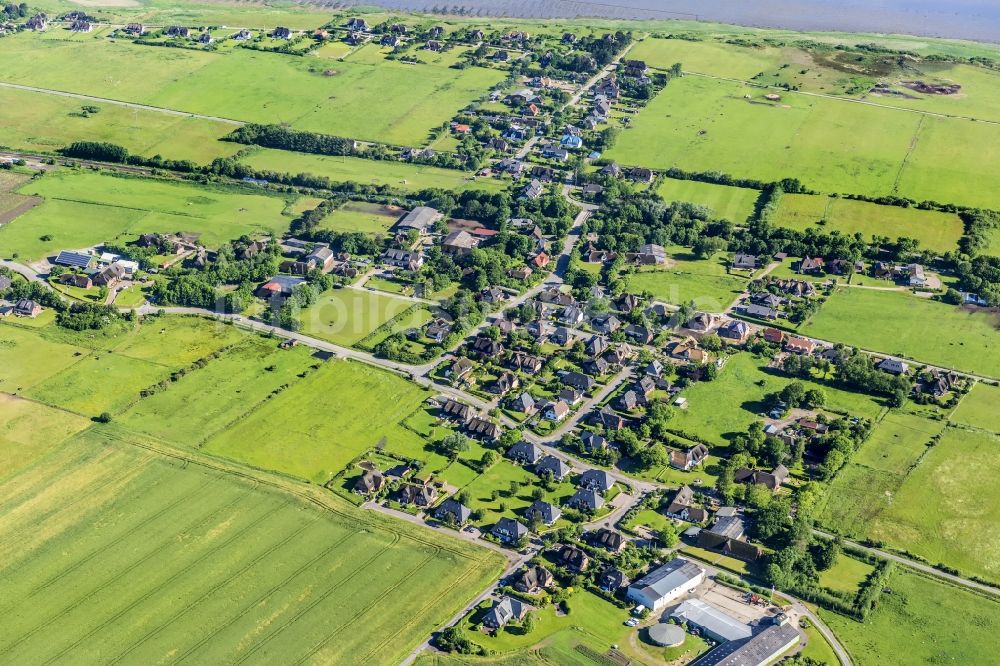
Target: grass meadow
29 431
352 407
141 558
710 291
934 230
397 175
918 328
980 408
897 442
348 316
845 575
906 626
27 359
362 217
830 145
730 203
82 209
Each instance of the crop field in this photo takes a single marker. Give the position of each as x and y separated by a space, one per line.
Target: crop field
980 408
29 430
934 230
925 330
347 316
82 209
223 390
397 175
906 626
27 359
729 203
40 122
831 145
140 558
392 102
352 408
734 400
362 217
897 442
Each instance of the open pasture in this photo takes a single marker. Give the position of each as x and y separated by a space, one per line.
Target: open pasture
82 209
934 230
347 316
392 102
26 358
713 293
352 408
980 408
845 575
897 442
735 204
397 175
707 57
177 341
900 323
29 430
140 558
223 391
362 217
830 145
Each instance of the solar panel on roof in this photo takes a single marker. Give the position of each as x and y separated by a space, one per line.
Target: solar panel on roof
77 259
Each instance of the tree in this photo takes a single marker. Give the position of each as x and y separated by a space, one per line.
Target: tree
814 398
528 624
453 443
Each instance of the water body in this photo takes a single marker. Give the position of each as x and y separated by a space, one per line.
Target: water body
977 20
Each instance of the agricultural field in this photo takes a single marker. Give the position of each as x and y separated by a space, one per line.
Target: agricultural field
707 57
29 431
918 328
393 103
397 175
934 230
348 316
845 575
735 204
906 627
27 359
362 217
830 145
352 408
40 122
82 209
979 408
177 341
13 204
897 442
140 557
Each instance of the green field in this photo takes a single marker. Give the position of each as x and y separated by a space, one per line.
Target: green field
729 203
27 359
397 175
352 407
140 558
897 442
918 328
362 217
39 122
707 57
86 208
712 293
831 145
934 230
29 430
980 408
347 316
392 102
845 575
907 627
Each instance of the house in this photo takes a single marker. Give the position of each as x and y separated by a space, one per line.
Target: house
205 38
799 345
525 452
557 467
484 428
893 366
609 540
81 25
78 280
421 219
682 506
533 579
578 380
607 323
710 621
726 535
370 482
421 495
799 288
597 366
618 356
556 411
612 170
279 286
612 579
592 442
540 260
759 312
774 336
436 46
390 40
663 585
628 401
453 511
405 259
571 142
701 322
639 334
735 330
644 387
27 308
573 558
811 265
771 480
744 262
177 31
916 276
592 191
585 500
814 426
37 22
243 35
688 460
534 189
538 329
762 648
281 33
546 513
635 68
522 273
110 276
570 396
649 254
487 347
520 360
767 299
460 368
610 419
503 611
641 175
493 295
524 404
687 350
508 530
568 38
437 329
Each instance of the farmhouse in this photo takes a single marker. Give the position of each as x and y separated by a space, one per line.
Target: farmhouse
503 611
894 366
421 219
27 308
726 535
370 482
665 584
772 479
744 262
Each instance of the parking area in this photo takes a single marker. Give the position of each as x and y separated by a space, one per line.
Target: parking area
732 602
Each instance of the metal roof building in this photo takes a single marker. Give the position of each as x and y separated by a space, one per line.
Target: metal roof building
712 621
661 586
74 259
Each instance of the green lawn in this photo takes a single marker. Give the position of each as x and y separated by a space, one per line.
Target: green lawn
897 442
907 627
845 575
918 328
397 175
980 408
138 558
730 203
347 316
30 430
27 359
713 293
86 208
855 498
362 217
352 408
934 230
